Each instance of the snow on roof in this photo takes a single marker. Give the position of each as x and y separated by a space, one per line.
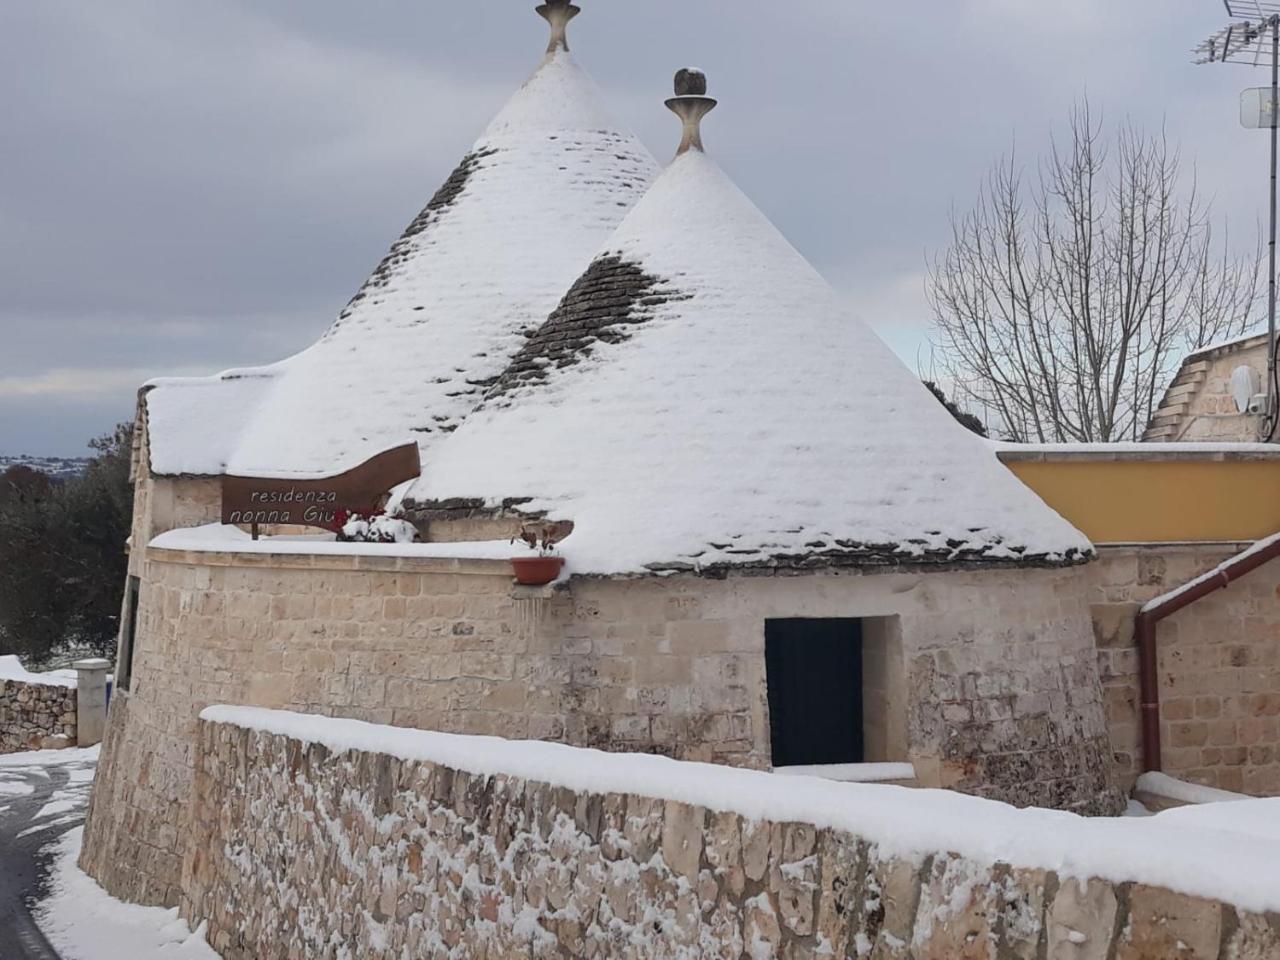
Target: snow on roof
194 423
700 398
1258 333
413 352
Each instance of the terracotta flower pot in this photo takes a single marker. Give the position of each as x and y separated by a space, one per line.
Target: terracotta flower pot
536 571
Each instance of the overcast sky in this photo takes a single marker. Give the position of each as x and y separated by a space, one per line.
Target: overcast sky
187 186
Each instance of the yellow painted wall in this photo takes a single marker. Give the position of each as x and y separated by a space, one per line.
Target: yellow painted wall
1159 500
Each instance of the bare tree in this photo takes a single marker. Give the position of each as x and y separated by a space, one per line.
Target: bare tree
1063 305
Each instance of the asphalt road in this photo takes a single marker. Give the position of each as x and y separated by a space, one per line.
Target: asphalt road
39 802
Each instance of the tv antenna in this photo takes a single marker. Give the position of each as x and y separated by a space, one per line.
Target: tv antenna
1254 40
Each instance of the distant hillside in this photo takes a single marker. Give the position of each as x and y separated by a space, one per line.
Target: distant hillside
60 468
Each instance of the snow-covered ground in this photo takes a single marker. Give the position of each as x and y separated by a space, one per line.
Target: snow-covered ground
85 923
43 796
60 468
21 772
1169 788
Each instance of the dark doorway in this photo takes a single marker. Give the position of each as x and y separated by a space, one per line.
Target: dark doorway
124 663
814 671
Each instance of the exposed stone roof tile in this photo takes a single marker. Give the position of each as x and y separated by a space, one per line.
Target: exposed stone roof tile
611 297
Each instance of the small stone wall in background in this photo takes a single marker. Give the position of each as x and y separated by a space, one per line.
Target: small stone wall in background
298 851
36 716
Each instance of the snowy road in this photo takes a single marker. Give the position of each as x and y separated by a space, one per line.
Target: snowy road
42 796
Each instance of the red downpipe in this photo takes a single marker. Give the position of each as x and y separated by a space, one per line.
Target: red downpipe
1145 631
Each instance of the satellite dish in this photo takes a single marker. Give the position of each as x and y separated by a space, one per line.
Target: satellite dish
1246 383
1258 109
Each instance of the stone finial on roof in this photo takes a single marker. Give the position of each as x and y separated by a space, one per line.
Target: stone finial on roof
691 104
558 13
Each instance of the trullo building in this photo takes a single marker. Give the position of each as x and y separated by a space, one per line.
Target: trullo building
784 552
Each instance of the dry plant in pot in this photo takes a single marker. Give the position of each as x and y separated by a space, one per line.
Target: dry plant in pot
538 571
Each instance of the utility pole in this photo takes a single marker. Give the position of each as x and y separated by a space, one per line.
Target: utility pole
1247 42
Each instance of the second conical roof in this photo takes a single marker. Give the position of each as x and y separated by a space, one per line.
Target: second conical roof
700 398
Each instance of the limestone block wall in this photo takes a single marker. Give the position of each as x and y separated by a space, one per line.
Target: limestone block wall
1219 668
1199 404
998 693
301 851
36 716
161 504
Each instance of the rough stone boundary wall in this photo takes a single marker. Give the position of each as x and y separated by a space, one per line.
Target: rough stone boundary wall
301 851
36 716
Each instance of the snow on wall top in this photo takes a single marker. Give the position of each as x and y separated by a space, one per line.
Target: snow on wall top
738 416
414 351
220 538
1196 853
11 668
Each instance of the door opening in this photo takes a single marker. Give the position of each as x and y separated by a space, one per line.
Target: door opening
128 634
814 676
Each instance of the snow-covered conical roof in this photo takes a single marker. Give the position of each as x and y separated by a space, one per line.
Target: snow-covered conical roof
700 398
440 317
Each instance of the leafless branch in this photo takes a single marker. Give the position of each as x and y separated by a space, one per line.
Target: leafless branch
1065 300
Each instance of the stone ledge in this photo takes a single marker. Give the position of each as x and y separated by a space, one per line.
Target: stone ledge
355 562
520 591
1149 453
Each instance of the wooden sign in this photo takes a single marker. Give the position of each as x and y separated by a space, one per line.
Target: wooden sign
318 503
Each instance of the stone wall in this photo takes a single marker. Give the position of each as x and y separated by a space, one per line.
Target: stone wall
1219 668
997 695
36 716
299 851
1199 404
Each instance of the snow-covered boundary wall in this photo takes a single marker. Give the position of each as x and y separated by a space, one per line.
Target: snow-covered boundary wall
332 838
37 711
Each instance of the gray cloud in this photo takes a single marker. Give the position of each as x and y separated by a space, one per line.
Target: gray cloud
190 186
